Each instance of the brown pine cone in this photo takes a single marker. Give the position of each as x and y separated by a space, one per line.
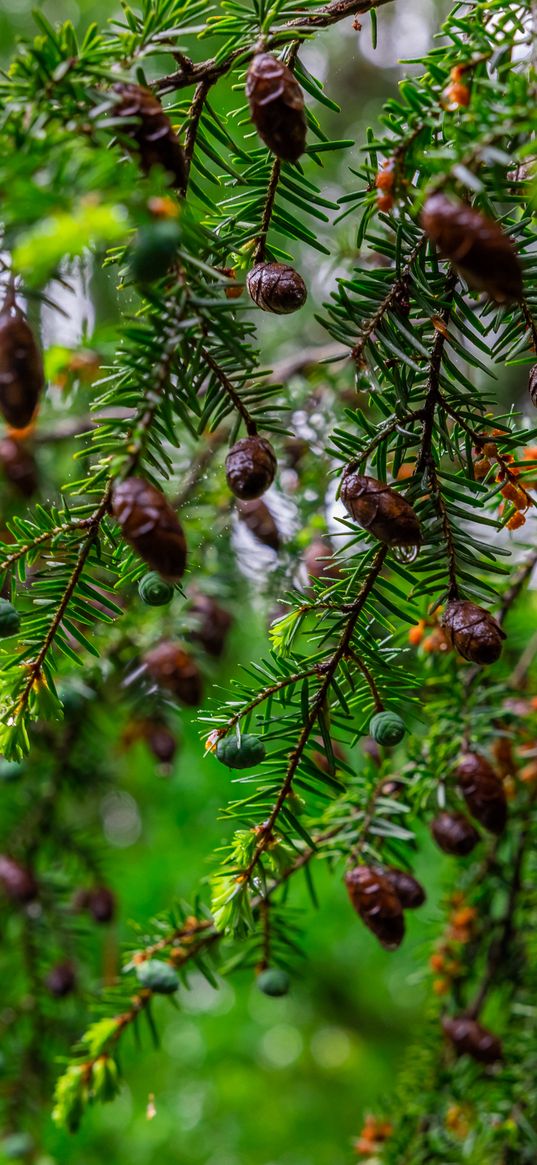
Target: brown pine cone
61 980
213 624
21 369
17 882
483 792
472 632
476 246
532 385
250 467
160 741
173 668
295 449
409 891
151 131
150 526
19 466
454 834
378 905
319 561
380 510
276 287
277 106
258 518
101 904
471 1038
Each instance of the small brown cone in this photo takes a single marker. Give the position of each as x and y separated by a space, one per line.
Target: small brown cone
258 518
150 526
454 834
212 624
409 891
250 467
277 106
160 741
483 792
319 560
17 882
150 130
380 510
476 245
174 669
61 980
378 905
471 1038
19 466
276 287
21 369
101 903
472 632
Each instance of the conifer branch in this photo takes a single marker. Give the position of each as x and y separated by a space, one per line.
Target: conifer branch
212 69
499 946
389 302
329 671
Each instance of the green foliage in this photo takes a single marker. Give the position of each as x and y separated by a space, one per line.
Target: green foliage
410 391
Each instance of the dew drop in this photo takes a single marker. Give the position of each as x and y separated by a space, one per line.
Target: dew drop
406 554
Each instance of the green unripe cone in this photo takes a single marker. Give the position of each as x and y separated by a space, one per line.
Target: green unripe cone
387 728
154 590
158 976
10 619
154 250
240 754
273 982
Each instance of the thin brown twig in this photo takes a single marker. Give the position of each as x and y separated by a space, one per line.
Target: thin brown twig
194 117
426 461
212 69
370 680
249 423
259 253
388 302
265 694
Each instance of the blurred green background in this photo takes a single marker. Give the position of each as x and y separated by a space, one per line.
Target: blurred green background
242 1079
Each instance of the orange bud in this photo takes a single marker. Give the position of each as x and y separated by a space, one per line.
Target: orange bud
514 495
386 176
415 635
458 94
163 207
363 1147
481 468
441 986
490 449
529 773
405 471
436 962
516 521
464 916
385 202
